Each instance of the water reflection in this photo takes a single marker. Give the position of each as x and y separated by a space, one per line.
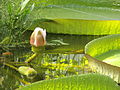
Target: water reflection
56 61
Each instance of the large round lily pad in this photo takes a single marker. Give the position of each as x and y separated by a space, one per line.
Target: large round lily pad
104 55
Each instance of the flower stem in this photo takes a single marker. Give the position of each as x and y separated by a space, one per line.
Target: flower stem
11 66
31 58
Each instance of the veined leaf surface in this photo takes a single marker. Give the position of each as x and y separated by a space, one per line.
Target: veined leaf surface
81 82
105 49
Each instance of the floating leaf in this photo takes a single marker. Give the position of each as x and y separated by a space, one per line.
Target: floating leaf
80 27
81 82
28 71
83 17
77 9
105 49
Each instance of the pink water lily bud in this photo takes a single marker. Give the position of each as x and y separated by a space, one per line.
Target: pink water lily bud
38 37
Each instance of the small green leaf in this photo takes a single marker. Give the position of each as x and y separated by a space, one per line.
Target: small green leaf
24 3
28 71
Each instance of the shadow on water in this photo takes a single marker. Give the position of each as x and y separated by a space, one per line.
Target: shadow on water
59 59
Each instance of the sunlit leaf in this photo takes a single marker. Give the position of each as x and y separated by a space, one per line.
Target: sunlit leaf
86 17
24 3
78 9
79 26
81 82
105 49
72 40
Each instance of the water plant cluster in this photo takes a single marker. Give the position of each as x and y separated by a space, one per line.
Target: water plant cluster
14 21
52 44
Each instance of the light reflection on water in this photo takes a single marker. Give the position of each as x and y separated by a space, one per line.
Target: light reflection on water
58 61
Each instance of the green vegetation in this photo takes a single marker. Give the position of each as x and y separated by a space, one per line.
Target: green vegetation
85 81
108 53
70 28
14 21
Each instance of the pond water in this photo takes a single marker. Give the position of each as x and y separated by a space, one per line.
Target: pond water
58 60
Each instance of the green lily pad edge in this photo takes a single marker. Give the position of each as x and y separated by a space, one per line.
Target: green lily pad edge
103 55
78 82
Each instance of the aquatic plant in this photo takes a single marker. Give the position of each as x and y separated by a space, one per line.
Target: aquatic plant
79 17
14 20
76 82
38 37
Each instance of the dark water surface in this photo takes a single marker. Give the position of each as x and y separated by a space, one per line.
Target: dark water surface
58 60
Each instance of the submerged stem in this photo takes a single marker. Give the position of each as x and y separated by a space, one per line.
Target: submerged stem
11 66
31 58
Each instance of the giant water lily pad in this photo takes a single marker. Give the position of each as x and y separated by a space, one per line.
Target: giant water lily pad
81 82
83 17
111 57
77 9
104 55
79 26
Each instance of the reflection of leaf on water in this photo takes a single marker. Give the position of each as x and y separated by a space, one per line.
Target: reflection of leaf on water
57 43
53 44
10 79
6 79
58 65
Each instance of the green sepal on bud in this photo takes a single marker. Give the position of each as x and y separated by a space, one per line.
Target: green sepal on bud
40 49
28 71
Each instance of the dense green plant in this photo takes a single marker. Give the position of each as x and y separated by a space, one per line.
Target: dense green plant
56 16
14 20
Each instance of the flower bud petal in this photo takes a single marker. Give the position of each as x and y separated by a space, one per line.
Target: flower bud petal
28 71
38 37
